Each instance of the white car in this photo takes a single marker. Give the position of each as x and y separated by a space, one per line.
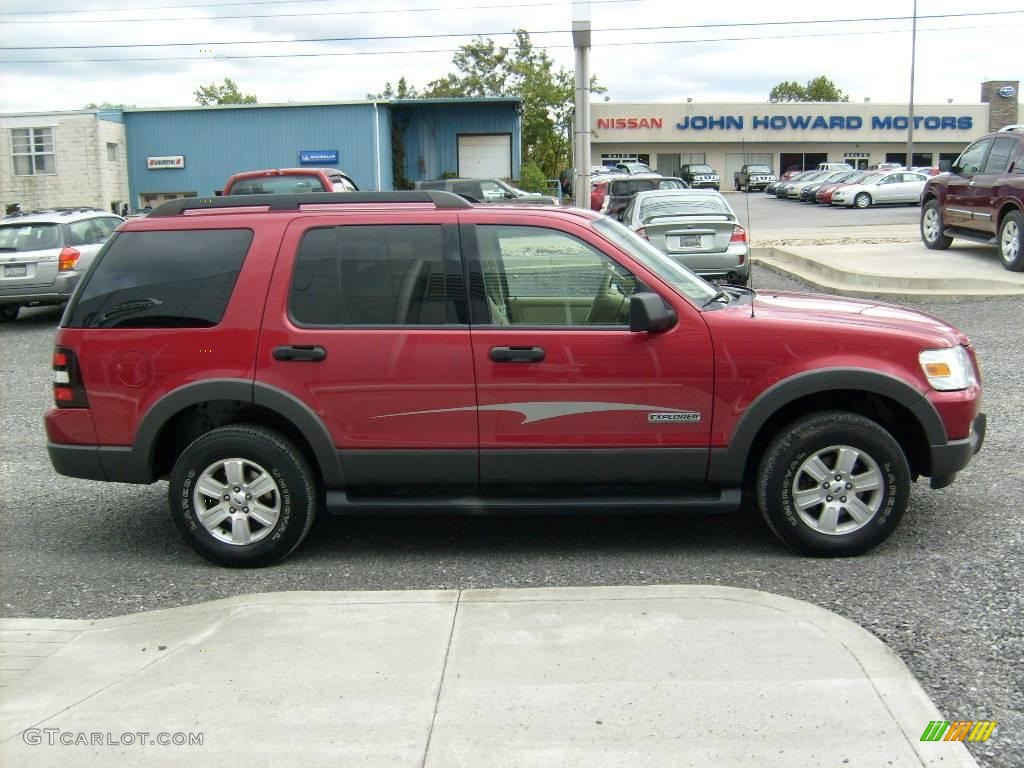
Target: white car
883 188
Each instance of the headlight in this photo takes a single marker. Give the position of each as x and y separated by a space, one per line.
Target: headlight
948 369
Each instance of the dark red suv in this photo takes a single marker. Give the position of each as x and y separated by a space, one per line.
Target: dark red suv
981 198
274 356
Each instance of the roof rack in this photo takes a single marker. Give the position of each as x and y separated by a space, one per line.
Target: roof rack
63 210
292 202
1013 128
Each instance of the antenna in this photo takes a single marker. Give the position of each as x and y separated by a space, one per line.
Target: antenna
750 229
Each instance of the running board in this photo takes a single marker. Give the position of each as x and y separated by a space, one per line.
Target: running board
346 503
970 234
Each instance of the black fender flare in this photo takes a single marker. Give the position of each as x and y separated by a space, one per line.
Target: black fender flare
286 405
726 465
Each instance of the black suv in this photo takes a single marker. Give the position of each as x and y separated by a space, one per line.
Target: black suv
700 176
981 198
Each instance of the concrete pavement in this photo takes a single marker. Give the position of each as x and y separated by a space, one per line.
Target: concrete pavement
885 261
611 676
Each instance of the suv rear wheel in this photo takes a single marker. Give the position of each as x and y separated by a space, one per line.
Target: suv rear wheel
833 484
243 496
9 312
1010 250
932 226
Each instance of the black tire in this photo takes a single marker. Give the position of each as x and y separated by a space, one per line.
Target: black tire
932 226
787 468
295 495
1011 249
9 313
862 200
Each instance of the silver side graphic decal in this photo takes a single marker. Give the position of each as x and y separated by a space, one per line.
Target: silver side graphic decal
542 411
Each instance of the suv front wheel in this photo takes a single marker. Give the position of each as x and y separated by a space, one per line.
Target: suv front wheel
243 496
833 484
932 226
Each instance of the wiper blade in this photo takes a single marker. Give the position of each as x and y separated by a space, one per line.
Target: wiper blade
720 294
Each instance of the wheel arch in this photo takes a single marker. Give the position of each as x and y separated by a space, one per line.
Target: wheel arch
1010 206
887 400
185 413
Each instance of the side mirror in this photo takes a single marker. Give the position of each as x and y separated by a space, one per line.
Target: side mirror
648 312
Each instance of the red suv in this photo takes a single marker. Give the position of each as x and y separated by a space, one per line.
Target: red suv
274 356
981 198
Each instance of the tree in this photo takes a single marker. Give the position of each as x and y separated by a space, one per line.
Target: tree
817 89
401 90
522 71
227 93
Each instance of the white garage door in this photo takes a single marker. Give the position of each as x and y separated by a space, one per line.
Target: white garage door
736 160
485 157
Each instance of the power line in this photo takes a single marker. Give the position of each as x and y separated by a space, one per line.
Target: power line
434 36
453 50
375 11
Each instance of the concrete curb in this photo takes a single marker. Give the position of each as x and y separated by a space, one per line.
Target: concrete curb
804 263
589 676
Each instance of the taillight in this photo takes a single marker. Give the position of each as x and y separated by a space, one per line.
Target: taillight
643 233
739 235
68 389
67 259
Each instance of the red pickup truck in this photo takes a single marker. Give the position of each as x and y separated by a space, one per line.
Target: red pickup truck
289 180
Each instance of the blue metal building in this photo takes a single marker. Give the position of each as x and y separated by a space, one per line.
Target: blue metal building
185 151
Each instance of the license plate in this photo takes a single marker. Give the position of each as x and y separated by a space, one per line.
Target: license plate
689 241
15 270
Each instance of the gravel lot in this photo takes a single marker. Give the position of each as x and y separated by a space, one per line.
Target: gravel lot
944 592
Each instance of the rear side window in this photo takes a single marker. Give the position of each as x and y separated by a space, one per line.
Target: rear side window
372 275
999 158
162 280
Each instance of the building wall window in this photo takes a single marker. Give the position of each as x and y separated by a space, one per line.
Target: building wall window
112 151
33 152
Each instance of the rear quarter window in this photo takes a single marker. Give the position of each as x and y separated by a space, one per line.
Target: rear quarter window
180 279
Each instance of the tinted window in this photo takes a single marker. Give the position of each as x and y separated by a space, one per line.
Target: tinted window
87 232
162 280
972 157
538 276
701 169
371 275
272 185
999 157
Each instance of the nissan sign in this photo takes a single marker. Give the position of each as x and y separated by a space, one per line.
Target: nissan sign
1007 91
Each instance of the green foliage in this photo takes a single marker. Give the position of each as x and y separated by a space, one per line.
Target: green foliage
401 90
227 93
532 178
817 89
523 71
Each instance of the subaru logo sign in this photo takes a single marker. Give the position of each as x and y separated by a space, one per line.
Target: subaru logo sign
1007 91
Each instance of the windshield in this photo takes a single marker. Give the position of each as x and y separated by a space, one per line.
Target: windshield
701 169
676 275
266 185
758 169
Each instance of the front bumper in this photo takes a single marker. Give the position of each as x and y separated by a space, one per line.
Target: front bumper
949 458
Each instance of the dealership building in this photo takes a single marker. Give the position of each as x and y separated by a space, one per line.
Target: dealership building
142 157
791 135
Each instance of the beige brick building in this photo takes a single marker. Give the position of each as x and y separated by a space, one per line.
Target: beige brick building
52 159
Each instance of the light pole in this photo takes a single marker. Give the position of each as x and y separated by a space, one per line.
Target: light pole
913 61
581 122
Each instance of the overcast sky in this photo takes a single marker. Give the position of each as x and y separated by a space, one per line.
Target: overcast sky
633 59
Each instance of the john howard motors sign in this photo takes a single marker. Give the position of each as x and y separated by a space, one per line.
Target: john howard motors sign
825 122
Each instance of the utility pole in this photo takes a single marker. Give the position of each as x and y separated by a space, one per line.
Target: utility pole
913 61
581 122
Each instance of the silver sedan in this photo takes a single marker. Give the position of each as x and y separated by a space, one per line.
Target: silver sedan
884 188
695 227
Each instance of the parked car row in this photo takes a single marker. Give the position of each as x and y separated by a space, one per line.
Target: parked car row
856 189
